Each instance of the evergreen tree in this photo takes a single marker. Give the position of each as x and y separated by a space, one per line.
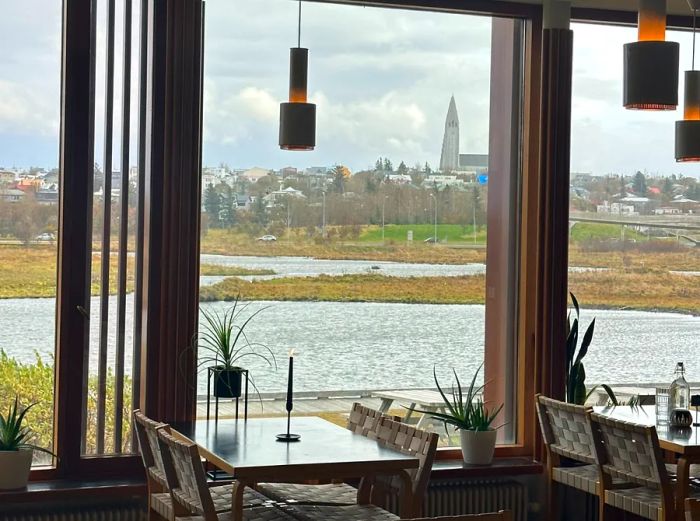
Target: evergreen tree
427 169
259 211
229 203
639 185
212 206
388 167
379 165
403 169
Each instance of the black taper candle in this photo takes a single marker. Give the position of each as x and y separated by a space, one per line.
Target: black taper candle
290 380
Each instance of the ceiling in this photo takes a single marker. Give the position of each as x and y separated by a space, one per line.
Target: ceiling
676 7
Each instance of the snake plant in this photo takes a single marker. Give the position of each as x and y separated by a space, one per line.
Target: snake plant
13 435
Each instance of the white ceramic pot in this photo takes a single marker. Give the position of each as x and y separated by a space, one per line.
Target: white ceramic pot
14 468
478 446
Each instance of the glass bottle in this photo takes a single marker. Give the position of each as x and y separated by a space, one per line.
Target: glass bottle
679 392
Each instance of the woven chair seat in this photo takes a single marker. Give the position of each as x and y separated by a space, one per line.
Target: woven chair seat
221 496
584 477
333 494
642 501
264 513
340 513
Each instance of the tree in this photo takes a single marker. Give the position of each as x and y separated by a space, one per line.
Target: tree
403 169
427 169
259 211
388 167
667 187
212 206
379 165
229 203
340 175
639 185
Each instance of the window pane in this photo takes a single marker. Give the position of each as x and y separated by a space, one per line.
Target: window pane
633 260
29 177
368 255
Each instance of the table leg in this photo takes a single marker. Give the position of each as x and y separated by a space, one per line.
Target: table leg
237 500
386 403
406 503
682 484
409 412
425 417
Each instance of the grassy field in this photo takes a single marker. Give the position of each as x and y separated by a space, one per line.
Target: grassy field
614 289
447 233
31 272
602 232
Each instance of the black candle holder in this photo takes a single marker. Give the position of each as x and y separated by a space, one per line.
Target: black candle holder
288 437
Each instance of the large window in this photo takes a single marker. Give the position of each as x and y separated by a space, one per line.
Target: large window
368 255
634 223
29 114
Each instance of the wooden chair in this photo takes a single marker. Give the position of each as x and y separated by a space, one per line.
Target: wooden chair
159 502
631 452
363 421
159 505
692 509
502 515
191 497
567 434
400 437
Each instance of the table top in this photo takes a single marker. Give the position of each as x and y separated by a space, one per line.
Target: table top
248 449
679 440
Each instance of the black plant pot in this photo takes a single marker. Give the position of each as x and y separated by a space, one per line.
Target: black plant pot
227 382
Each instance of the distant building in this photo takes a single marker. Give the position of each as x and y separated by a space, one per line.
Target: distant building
477 163
441 181
665 210
255 174
47 196
449 158
317 171
7 177
616 209
288 171
12 195
399 179
278 197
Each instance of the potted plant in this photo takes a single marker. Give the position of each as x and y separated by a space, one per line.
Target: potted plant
466 411
222 343
15 450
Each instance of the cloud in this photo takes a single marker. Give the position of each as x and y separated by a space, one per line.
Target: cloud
26 110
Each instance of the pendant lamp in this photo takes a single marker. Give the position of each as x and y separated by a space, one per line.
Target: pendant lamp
297 117
688 130
651 64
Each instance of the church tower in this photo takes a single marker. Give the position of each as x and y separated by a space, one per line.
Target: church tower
449 159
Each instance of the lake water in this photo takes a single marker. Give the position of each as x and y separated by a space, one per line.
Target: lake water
352 346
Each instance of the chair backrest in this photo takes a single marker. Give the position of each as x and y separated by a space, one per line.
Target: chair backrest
502 515
565 429
409 440
363 420
629 451
147 435
186 478
692 509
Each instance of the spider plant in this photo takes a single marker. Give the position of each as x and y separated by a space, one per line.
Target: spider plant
13 435
464 408
223 342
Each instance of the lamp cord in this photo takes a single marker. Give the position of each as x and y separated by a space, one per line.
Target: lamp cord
299 32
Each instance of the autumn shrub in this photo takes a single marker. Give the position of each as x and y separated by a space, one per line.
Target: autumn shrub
34 383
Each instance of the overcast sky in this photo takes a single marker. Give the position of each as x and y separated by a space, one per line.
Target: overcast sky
381 78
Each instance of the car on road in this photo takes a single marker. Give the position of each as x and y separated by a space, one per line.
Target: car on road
267 238
46 236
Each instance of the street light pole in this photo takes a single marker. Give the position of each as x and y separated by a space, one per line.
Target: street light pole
383 203
323 222
474 221
435 237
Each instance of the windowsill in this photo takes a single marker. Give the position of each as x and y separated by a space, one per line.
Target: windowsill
74 489
500 467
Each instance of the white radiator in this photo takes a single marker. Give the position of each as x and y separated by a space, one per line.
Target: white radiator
113 513
457 497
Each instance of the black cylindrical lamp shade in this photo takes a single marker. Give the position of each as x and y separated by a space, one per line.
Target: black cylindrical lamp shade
297 117
688 130
651 75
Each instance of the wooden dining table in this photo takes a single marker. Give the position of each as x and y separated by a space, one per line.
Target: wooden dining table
249 452
685 443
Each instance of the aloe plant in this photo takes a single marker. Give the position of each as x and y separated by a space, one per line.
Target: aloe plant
464 409
13 435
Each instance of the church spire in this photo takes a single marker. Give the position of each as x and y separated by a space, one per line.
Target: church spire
449 159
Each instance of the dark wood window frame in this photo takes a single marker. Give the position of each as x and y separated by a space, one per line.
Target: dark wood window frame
172 401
